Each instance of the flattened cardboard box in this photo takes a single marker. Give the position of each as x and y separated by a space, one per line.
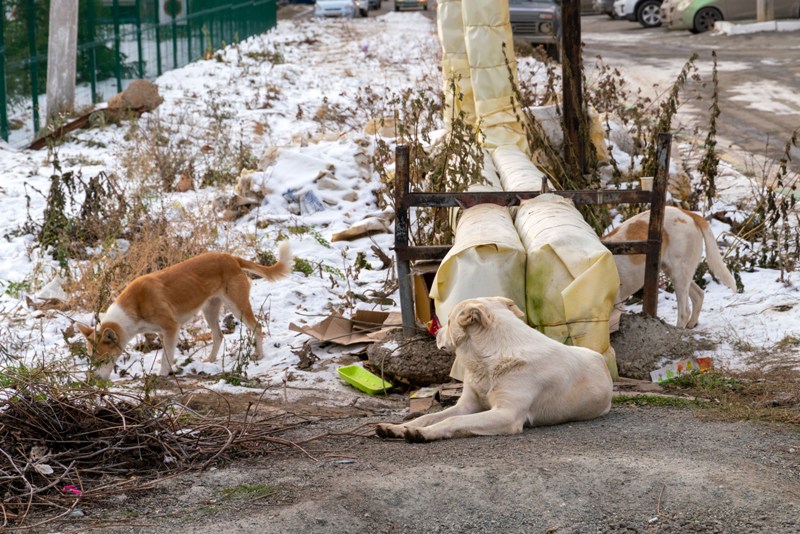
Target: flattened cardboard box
363 327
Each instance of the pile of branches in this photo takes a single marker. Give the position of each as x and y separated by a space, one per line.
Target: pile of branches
61 446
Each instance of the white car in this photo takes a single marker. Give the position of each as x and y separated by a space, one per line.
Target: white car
341 8
645 12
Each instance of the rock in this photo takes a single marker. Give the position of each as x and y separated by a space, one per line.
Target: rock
415 361
363 160
140 96
329 182
185 183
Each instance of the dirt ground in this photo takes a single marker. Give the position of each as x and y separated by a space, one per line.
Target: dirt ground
639 469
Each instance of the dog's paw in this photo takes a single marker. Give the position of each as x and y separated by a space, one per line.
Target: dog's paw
386 431
414 435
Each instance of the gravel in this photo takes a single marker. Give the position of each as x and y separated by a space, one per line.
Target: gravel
637 470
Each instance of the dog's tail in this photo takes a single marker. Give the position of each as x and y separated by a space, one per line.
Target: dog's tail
273 272
713 257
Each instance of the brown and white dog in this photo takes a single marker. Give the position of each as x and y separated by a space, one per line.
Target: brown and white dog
160 302
515 376
681 251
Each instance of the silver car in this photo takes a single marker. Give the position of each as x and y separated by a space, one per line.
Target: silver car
537 22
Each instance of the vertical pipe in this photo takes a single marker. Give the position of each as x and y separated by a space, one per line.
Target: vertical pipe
572 97
657 200
139 37
34 69
117 53
3 94
401 239
92 50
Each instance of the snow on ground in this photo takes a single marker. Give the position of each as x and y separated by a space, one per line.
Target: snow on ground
322 59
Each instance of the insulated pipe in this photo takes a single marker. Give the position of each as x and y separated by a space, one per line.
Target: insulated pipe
493 65
455 67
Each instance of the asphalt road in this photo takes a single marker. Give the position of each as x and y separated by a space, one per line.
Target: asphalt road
759 76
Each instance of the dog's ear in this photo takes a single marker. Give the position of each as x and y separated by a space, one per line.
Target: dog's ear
109 336
513 307
474 313
87 331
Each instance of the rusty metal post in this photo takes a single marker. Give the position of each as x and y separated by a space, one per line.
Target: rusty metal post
401 189
659 195
572 85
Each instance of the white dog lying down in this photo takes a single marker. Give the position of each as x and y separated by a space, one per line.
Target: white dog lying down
514 376
681 252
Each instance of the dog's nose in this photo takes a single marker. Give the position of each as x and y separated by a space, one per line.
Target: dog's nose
441 339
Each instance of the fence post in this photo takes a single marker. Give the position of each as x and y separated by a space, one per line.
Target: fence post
656 225
3 95
117 53
92 50
62 51
188 29
174 38
34 70
401 189
158 36
139 37
572 91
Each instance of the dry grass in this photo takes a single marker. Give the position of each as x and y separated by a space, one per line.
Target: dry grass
770 396
70 444
157 243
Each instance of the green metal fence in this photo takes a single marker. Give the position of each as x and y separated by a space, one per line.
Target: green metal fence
118 41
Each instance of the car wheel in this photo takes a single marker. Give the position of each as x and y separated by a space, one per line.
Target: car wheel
705 18
649 13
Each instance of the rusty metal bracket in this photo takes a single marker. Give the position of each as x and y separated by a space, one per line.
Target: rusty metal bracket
405 200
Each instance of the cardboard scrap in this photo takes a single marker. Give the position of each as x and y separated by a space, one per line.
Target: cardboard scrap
367 227
450 392
363 327
422 399
682 367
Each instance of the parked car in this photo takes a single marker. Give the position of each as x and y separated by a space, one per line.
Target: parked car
341 8
604 7
645 12
410 4
537 22
700 15
375 4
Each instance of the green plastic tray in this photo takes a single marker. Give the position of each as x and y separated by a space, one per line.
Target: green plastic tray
361 379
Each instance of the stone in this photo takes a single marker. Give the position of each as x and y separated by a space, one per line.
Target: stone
140 96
